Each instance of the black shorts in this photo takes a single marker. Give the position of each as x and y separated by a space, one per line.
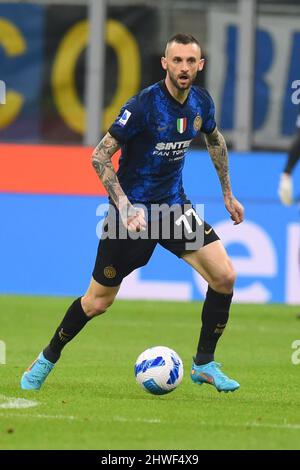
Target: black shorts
177 231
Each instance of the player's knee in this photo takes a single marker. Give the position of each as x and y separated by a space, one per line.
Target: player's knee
230 278
224 281
96 306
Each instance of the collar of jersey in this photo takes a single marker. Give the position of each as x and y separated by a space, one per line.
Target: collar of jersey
164 88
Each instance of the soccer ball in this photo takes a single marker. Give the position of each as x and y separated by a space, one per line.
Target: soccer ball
158 370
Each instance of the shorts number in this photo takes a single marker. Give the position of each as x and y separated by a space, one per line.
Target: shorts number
183 219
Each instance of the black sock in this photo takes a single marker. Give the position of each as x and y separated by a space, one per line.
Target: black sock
73 322
215 315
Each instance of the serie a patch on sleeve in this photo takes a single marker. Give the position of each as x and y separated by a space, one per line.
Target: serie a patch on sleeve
124 118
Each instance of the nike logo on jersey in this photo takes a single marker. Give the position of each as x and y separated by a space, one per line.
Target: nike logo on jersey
207 232
162 128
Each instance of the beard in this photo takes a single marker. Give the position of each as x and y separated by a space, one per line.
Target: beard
186 84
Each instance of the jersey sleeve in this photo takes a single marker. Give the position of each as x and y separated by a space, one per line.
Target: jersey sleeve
128 122
208 119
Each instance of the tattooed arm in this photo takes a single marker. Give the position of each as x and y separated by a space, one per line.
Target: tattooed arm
101 160
132 218
217 149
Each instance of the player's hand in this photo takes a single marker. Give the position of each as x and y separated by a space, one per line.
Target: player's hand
235 209
133 219
285 189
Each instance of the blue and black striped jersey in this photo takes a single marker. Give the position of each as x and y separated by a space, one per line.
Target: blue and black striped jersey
155 132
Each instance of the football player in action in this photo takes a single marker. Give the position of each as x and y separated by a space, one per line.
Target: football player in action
285 189
154 130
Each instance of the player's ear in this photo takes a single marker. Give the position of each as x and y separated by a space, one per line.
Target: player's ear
201 64
164 63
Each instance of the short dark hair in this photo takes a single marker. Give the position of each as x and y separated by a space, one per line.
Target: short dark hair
182 38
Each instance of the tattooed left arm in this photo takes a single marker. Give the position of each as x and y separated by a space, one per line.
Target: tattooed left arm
217 149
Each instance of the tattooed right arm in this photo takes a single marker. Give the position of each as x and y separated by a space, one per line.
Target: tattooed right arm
132 218
101 160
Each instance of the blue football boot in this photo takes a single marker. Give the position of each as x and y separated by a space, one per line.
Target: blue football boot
36 374
211 374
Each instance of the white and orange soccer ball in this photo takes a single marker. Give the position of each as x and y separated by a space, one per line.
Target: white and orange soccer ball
158 370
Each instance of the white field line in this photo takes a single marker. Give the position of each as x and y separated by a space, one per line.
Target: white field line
275 426
201 423
16 403
74 418
122 419
136 420
38 416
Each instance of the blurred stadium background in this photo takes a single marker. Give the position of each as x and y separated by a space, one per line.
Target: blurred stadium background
65 84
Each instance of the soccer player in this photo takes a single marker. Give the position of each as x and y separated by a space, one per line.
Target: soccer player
285 189
154 130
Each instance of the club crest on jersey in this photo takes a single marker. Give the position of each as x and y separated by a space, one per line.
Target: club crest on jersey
181 125
124 118
197 123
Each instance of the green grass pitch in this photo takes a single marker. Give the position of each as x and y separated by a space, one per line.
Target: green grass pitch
91 400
